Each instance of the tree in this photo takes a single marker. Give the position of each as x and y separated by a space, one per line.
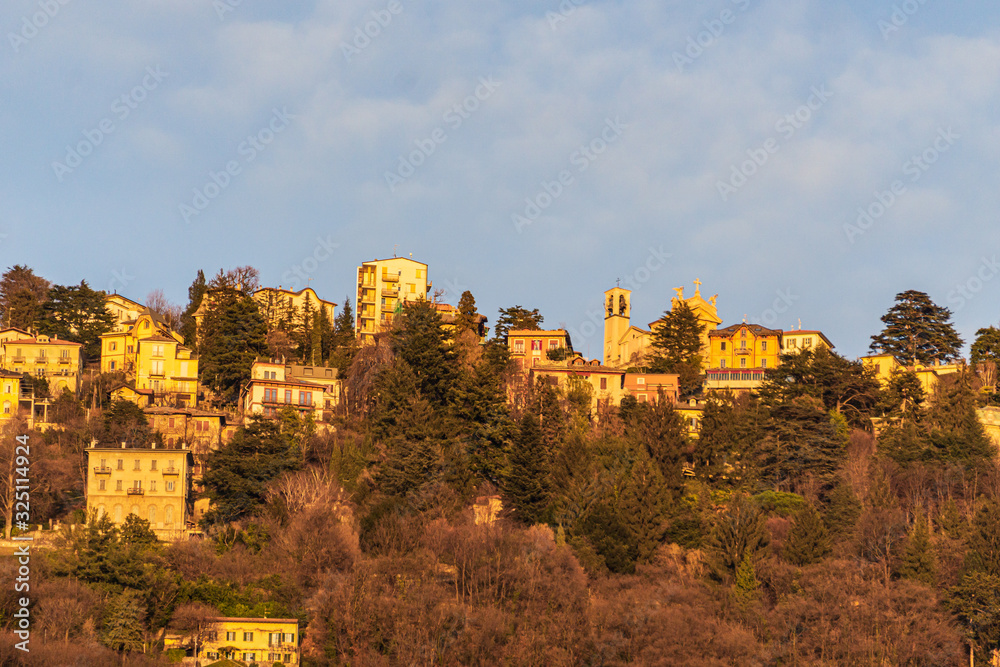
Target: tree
956 434
676 346
124 421
195 621
987 346
188 325
846 387
917 331
22 294
420 341
808 541
731 426
237 474
516 318
78 314
344 344
136 531
243 279
123 626
739 532
233 336
918 555
527 487
801 439
158 304
644 505
466 318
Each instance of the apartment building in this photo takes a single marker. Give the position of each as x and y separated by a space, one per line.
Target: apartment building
384 286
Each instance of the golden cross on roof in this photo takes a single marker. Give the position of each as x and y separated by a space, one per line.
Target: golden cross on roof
697 286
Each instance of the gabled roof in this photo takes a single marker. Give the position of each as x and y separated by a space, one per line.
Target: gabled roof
756 329
288 291
816 332
10 374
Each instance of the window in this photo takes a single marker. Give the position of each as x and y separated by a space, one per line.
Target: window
64 354
763 363
171 422
763 346
112 346
642 398
553 344
289 639
152 514
230 636
307 371
145 325
807 343
604 383
305 398
288 396
288 658
270 395
8 388
137 484
121 464
743 333
212 636
411 288
156 367
722 363
137 465
519 346
536 346
743 345
792 344
168 518
169 485
248 636
6 407
723 346
152 485
743 362
101 485
420 274
118 485
641 381
111 366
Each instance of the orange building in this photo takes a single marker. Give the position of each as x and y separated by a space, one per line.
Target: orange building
530 347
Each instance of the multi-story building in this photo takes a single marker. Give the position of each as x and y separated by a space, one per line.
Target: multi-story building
285 307
384 286
124 310
886 365
741 355
531 347
10 394
271 388
154 359
152 483
800 339
58 361
607 385
648 387
261 641
326 377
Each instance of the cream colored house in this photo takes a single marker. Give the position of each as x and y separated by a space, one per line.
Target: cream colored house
58 361
384 286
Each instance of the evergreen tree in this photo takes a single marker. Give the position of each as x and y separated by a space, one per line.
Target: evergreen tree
904 396
526 485
466 318
846 387
238 473
189 327
843 510
233 335
123 622
807 542
644 505
917 331
137 531
657 428
918 557
323 338
739 532
987 346
801 439
344 342
516 318
731 426
984 540
746 584
22 294
676 346
78 314
421 342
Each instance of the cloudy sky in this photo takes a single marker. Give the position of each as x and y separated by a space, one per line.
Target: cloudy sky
805 160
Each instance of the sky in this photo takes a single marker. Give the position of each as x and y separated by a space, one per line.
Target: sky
805 160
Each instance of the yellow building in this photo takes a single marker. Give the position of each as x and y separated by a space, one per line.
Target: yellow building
281 305
58 361
262 641
606 385
154 484
154 359
530 347
125 310
692 411
384 285
886 365
741 355
799 339
626 345
272 387
449 314
10 394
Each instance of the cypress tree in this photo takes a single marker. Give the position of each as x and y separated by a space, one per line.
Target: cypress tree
188 325
807 541
527 486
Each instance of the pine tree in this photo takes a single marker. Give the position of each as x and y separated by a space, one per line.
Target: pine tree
78 314
801 440
956 434
807 542
22 294
917 331
644 504
987 346
659 430
466 318
984 540
918 557
123 626
676 346
345 344
516 318
233 335
746 583
739 533
526 485
843 510
188 325
421 342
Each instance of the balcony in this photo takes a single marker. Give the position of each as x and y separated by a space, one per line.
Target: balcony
102 470
390 278
65 360
171 471
17 360
132 491
390 292
388 307
41 360
743 351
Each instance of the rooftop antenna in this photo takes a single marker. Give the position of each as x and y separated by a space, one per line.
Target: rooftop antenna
800 324
394 249
618 282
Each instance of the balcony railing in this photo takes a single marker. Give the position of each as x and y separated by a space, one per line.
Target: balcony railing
390 292
102 470
744 350
17 360
390 278
171 471
41 360
65 360
132 491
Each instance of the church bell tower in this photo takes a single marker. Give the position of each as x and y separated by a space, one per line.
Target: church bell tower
617 313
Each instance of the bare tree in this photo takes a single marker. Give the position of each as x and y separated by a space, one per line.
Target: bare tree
365 367
8 463
169 312
195 622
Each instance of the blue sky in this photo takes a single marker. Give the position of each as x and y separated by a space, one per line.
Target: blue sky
532 152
